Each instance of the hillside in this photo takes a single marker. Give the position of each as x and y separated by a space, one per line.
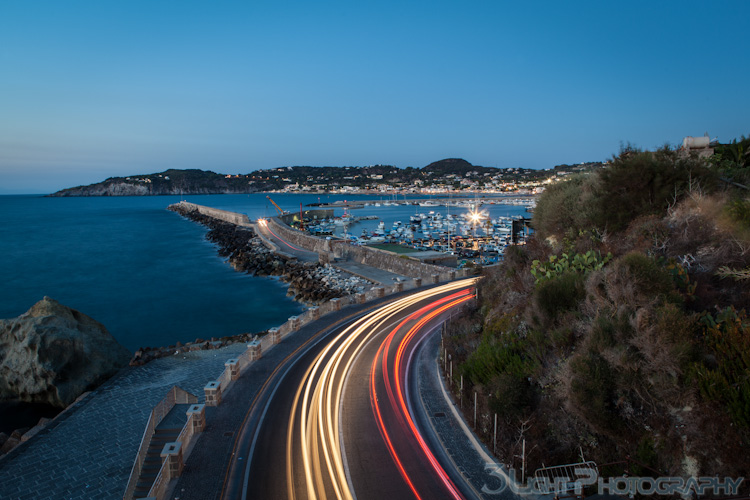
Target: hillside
620 332
454 173
170 182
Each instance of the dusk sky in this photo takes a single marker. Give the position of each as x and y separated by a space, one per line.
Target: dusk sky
90 90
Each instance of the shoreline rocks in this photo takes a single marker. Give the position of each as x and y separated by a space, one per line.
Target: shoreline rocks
309 283
145 354
52 354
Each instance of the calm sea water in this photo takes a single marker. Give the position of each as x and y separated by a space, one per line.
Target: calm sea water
146 273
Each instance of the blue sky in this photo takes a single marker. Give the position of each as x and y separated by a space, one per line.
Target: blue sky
90 90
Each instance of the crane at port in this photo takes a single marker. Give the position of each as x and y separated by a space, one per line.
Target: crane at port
281 212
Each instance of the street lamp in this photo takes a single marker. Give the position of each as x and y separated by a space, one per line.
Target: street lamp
475 216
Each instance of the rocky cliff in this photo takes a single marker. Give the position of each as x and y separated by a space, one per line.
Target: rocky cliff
51 354
169 182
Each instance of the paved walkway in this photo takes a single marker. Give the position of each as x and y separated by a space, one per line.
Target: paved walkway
284 246
88 451
371 273
471 458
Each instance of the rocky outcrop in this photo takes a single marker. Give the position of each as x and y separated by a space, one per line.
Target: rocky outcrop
116 188
169 182
52 354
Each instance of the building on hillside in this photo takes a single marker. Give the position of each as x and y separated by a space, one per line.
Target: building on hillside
702 146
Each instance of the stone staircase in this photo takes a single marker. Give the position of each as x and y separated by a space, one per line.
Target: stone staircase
166 432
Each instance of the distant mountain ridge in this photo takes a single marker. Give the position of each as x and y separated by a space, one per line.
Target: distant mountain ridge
195 181
169 182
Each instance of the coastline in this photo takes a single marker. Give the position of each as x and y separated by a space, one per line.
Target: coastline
309 283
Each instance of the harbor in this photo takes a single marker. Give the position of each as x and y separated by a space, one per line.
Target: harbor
445 231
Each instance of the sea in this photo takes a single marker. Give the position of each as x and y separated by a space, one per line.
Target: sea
147 274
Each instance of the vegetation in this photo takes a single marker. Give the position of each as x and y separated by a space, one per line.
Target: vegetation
620 330
451 172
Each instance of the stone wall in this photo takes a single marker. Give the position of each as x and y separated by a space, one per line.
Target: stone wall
302 240
374 257
231 217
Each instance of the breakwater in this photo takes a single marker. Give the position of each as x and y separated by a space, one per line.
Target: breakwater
368 256
309 283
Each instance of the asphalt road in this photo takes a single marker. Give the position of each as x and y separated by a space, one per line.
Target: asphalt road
283 245
341 419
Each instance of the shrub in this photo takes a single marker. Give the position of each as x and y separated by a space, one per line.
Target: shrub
565 206
739 211
645 454
592 389
640 183
559 294
648 277
495 354
580 263
727 380
608 330
513 396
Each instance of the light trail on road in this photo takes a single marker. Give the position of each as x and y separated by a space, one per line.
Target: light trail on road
319 399
264 223
318 455
395 390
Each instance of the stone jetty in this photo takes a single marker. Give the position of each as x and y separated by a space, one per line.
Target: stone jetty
309 283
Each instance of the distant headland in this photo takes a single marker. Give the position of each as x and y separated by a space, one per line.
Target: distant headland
452 174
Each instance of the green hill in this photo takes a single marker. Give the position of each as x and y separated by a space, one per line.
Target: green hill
621 329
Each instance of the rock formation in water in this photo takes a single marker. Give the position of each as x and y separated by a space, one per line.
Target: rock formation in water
52 354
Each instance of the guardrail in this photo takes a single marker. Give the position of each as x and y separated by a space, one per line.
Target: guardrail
233 368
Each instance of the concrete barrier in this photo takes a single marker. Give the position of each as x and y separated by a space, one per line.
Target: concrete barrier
374 257
198 412
233 365
226 216
275 334
172 455
254 350
213 393
294 323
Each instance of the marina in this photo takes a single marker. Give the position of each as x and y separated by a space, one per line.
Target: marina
451 232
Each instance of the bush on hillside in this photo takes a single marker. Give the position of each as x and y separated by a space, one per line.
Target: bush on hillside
724 377
641 183
592 391
559 294
578 357
733 160
565 207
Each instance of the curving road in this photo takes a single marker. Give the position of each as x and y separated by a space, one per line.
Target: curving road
342 419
